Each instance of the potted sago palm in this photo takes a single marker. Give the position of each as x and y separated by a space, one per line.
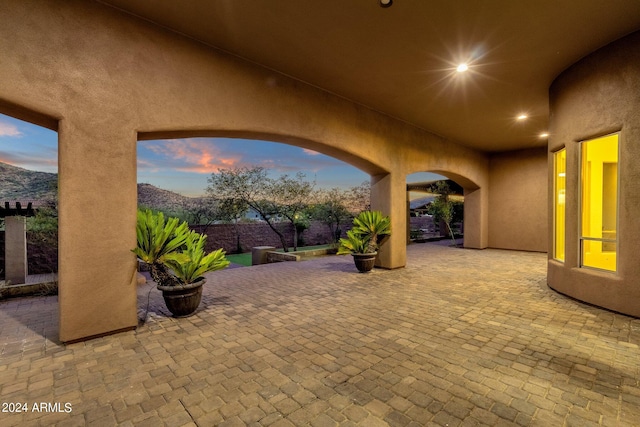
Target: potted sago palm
177 260
364 238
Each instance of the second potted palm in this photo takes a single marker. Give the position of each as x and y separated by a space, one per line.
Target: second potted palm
364 238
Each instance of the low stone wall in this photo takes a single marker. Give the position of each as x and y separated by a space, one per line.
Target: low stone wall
47 287
273 256
282 257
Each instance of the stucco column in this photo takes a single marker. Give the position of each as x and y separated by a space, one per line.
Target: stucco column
97 214
389 195
15 249
476 220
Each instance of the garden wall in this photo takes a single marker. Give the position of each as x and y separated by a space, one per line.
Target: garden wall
422 223
259 234
42 257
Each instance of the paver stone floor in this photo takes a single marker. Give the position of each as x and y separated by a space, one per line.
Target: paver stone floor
458 337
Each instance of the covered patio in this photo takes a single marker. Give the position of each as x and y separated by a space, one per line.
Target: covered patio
458 337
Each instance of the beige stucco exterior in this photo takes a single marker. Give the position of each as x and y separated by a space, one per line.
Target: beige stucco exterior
514 183
105 80
595 97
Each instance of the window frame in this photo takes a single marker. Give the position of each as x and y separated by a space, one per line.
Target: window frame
554 253
581 238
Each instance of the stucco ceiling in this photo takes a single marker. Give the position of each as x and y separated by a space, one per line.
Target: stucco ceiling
401 60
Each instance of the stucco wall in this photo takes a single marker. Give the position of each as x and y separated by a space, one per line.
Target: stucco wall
597 96
104 80
518 200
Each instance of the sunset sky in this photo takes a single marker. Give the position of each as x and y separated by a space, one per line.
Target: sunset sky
183 165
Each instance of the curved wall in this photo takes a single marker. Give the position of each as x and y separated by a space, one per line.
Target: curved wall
596 96
104 79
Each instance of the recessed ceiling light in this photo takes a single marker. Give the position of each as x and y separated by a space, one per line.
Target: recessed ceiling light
385 3
544 135
462 68
522 117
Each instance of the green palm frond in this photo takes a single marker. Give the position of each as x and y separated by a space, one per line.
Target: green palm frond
353 244
170 243
157 238
372 225
197 262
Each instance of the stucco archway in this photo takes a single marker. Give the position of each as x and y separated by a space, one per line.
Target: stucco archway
129 80
474 184
468 187
393 254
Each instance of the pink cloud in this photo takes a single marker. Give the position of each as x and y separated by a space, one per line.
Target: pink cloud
200 156
310 152
9 130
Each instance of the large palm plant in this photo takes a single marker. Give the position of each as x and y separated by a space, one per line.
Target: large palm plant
170 244
369 227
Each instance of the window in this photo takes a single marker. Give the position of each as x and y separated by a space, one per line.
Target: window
599 219
559 190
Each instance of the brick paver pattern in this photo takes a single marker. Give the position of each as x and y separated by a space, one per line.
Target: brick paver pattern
458 337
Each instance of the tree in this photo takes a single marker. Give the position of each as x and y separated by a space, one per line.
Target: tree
170 212
301 223
251 186
331 210
442 207
359 198
232 210
291 196
201 211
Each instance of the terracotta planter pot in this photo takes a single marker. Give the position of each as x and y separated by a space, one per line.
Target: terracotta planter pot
364 262
183 301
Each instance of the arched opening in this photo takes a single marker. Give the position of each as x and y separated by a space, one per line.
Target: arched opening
183 165
333 151
436 206
174 176
28 207
435 209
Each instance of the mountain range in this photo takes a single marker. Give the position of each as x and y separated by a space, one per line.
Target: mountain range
18 184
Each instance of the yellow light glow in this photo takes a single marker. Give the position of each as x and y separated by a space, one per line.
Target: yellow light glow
559 188
600 202
462 68
544 135
522 117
